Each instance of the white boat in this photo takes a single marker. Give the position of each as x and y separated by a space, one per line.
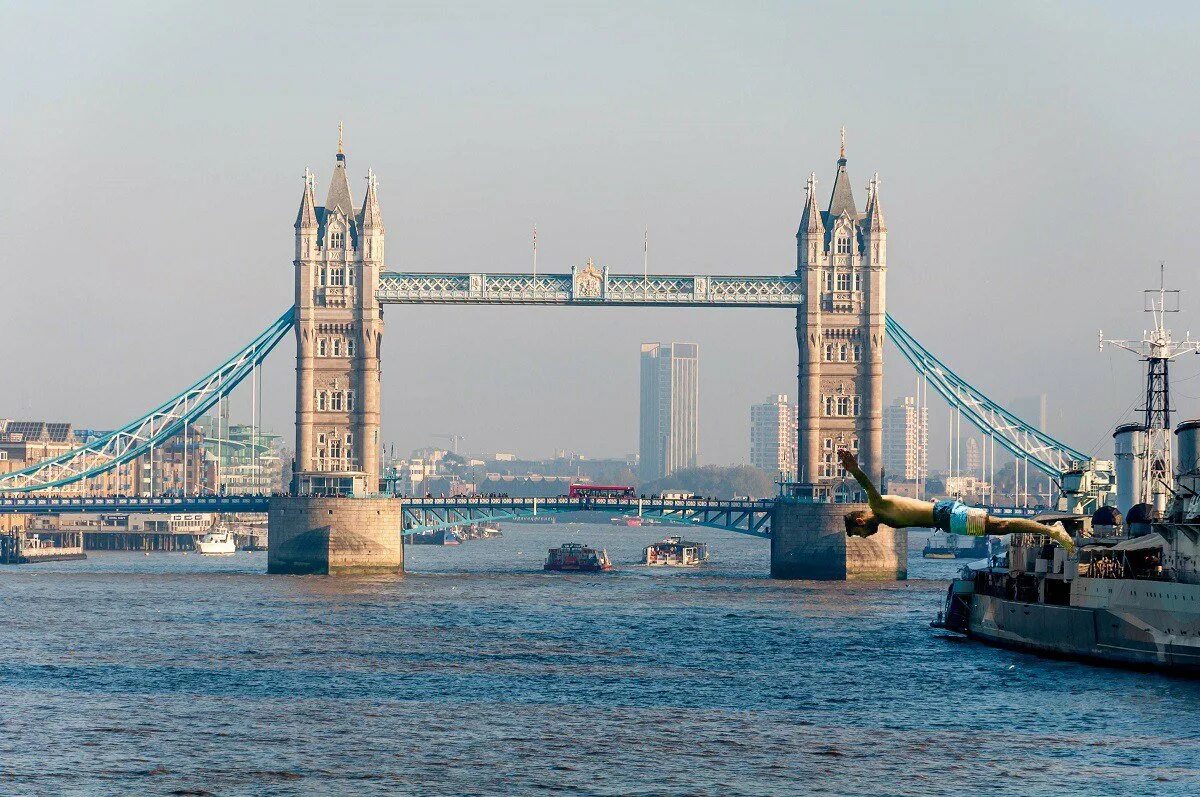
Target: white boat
217 542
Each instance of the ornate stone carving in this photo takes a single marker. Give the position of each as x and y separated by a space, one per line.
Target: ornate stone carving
589 282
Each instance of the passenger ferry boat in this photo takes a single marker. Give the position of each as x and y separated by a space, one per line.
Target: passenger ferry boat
217 542
574 557
674 551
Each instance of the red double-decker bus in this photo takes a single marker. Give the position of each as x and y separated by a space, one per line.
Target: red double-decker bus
601 491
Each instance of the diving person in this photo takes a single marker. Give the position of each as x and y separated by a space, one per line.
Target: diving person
948 515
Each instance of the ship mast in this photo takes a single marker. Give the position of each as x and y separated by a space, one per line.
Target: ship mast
1157 348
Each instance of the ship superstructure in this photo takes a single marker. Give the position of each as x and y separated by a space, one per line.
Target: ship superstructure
1129 593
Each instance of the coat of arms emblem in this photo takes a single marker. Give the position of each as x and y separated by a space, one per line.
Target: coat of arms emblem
589 282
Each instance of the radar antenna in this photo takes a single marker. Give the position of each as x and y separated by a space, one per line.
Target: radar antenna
1157 348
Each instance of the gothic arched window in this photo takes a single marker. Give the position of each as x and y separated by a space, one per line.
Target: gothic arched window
337 240
843 245
350 347
322 347
336 401
337 347
322 401
829 405
843 405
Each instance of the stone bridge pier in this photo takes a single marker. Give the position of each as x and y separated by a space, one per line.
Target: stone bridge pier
809 541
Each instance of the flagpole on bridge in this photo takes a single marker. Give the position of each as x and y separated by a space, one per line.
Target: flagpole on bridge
646 262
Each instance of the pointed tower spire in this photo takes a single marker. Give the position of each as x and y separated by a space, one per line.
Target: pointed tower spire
811 222
874 213
372 219
339 197
842 198
306 219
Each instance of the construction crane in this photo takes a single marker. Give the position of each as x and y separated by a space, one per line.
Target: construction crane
454 439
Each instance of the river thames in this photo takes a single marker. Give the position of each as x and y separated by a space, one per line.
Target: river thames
477 673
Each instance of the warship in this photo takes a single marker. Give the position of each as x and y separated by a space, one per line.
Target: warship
1128 591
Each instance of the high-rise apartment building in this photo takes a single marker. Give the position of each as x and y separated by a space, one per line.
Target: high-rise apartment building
773 435
669 428
905 440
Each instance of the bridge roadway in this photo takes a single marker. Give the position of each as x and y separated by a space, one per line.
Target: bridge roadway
428 514
751 517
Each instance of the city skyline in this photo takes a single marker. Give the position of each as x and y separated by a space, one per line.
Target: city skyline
958 183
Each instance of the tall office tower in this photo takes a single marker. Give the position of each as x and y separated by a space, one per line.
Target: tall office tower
669 432
773 435
905 440
842 256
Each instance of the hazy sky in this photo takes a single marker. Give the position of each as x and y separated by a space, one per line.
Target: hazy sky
1038 161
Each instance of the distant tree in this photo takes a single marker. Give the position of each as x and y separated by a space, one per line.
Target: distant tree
714 481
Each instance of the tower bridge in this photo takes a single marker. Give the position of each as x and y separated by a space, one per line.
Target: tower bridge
336 520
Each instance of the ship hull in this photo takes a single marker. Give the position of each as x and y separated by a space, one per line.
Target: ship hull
1122 634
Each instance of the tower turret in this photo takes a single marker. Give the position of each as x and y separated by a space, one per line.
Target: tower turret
810 239
370 222
307 228
874 227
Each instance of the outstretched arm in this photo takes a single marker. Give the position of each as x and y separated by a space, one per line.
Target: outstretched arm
852 467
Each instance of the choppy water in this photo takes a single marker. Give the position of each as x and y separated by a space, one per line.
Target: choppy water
478 674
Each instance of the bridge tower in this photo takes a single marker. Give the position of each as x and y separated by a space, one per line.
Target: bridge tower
840 331
330 523
339 329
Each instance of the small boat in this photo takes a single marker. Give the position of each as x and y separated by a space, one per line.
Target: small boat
574 557
435 537
942 545
675 551
218 542
627 520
